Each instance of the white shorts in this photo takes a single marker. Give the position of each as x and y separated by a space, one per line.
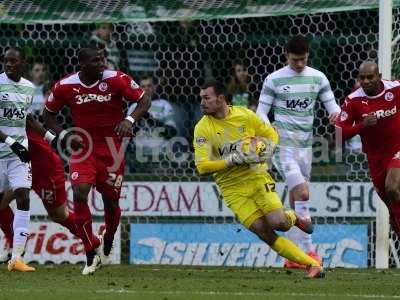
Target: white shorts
294 164
14 174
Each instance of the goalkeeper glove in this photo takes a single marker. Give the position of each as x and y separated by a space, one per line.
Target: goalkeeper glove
267 152
18 149
239 158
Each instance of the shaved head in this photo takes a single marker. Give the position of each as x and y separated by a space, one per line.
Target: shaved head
369 66
369 78
86 53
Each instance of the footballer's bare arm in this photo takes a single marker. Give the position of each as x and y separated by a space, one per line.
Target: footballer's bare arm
124 128
142 107
35 125
50 119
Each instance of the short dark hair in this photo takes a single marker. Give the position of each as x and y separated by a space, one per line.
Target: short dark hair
297 44
86 52
17 49
218 87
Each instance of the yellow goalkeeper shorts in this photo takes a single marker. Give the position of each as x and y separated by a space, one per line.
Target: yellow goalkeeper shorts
252 199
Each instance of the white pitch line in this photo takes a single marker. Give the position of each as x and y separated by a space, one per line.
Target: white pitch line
217 293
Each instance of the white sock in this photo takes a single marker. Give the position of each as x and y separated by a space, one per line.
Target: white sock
302 208
20 226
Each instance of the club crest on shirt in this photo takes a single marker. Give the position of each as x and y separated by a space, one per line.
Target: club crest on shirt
397 155
50 98
74 175
201 140
5 96
343 116
134 85
242 129
103 86
389 96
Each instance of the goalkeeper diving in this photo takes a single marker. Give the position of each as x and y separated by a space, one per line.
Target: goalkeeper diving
235 145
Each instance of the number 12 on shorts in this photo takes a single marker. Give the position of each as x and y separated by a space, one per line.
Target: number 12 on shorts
270 187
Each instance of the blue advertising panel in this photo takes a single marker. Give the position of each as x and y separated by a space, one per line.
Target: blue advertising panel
233 245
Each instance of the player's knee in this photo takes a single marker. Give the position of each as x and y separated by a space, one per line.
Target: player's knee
282 225
22 198
301 193
80 192
58 215
304 196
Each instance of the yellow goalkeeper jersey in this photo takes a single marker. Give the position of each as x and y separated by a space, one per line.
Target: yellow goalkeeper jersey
216 138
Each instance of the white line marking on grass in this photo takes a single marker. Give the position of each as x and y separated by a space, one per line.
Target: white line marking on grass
217 293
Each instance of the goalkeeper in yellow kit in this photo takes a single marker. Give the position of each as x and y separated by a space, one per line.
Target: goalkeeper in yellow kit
234 144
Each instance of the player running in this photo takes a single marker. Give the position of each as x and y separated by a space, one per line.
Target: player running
16 95
48 181
372 111
292 92
247 188
95 97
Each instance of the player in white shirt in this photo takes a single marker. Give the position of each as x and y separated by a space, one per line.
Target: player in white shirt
16 95
292 92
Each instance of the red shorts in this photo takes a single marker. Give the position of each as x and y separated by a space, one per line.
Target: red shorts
99 168
48 180
378 169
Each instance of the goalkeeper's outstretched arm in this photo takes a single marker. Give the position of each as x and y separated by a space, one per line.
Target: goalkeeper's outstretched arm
211 166
202 153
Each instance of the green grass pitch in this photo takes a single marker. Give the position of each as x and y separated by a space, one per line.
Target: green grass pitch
192 283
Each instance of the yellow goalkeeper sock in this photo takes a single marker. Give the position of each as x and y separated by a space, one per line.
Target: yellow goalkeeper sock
291 216
289 250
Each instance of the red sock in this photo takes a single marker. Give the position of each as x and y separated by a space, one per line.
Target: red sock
70 224
112 219
394 211
6 224
83 221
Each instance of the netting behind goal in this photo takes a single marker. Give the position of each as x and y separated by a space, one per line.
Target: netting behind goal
183 54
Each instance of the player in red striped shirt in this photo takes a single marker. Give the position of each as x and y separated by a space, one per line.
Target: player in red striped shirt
95 97
372 111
